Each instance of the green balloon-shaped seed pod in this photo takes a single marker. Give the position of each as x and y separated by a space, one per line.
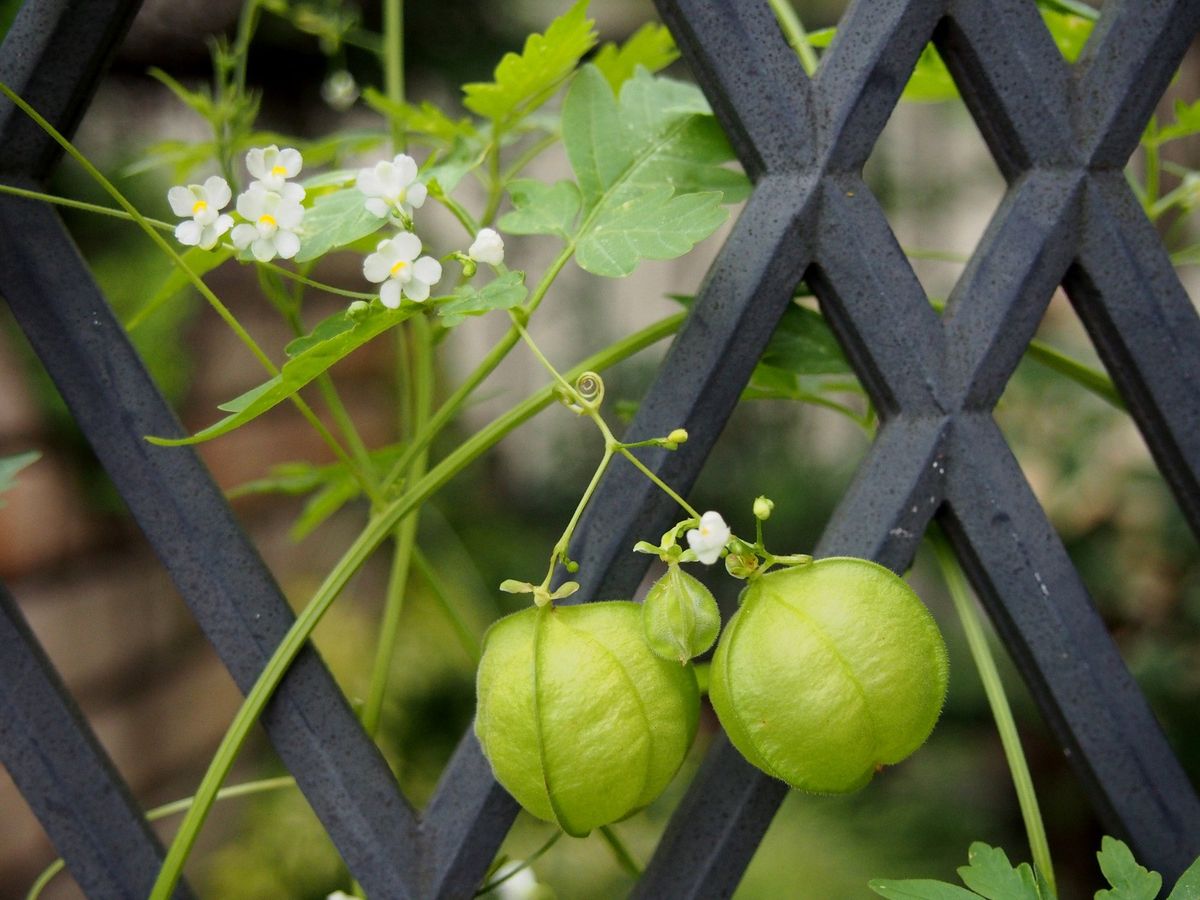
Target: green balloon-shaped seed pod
827 672
581 722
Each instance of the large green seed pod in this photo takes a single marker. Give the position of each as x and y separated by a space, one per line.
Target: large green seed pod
581 722
827 672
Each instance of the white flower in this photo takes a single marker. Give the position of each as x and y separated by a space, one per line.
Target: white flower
203 203
392 187
272 166
394 264
273 219
488 247
520 886
340 895
340 90
710 538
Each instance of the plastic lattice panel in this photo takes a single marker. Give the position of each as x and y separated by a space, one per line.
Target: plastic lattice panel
1060 134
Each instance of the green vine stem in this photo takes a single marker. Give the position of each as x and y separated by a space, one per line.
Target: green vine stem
170 809
393 65
796 36
466 636
376 531
624 858
985 663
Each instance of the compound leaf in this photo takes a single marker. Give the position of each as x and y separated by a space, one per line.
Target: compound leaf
920 889
541 208
991 875
526 80
1129 880
650 47
335 220
504 292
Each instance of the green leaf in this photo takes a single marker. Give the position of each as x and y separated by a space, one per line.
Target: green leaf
652 226
11 465
991 875
336 220
541 208
503 292
920 889
1187 123
803 344
199 261
285 478
323 504
524 81
1129 880
1188 885
449 168
650 47
313 358
425 119
649 170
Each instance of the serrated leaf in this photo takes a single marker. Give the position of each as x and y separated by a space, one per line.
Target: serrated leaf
1129 880
680 618
992 876
650 47
314 358
526 80
425 119
920 889
1188 885
541 208
11 465
654 225
628 173
503 292
335 220
199 261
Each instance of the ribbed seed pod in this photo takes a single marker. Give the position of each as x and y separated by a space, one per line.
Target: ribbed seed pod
581 722
827 672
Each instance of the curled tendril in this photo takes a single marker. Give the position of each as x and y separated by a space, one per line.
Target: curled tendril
590 388
587 395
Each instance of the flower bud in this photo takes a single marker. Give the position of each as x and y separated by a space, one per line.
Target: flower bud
678 436
763 508
358 309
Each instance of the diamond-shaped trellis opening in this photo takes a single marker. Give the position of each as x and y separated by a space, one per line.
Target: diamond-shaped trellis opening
935 179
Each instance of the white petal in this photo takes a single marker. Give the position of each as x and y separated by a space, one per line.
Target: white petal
416 195
242 235
217 190
390 294
407 246
291 160
368 182
377 207
406 169
390 181
416 290
292 193
376 268
207 215
188 233
222 225
252 203
488 247
182 200
263 249
287 243
428 270
256 162
289 215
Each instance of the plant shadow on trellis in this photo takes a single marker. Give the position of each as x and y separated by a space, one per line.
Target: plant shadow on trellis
1061 140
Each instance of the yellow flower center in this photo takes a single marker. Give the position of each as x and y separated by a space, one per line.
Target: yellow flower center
199 206
279 171
267 219
399 267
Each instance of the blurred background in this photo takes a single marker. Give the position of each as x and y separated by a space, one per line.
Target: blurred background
159 699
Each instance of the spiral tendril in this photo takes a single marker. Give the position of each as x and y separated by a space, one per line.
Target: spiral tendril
590 388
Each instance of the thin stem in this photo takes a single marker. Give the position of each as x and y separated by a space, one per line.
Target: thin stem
80 204
797 37
559 553
421 369
450 408
525 864
662 485
196 280
458 210
624 858
529 155
170 809
377 530
495 183
1153 175
466 637
985 663
393 65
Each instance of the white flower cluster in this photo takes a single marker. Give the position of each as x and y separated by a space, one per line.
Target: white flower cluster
272 209
709 539
270 206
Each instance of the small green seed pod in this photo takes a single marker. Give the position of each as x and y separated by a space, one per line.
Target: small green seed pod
827 672
680 618
582 724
